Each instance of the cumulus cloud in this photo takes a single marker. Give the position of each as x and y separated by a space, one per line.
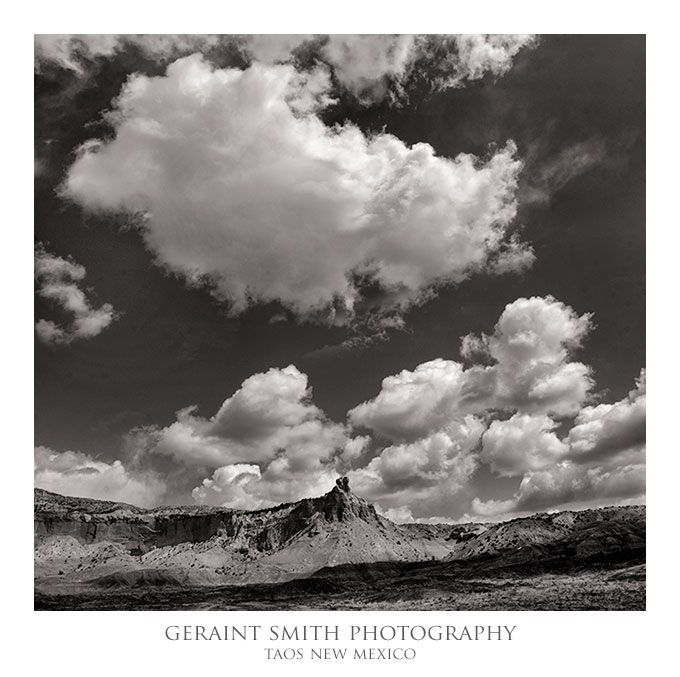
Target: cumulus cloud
568 485
428 433
268 443
600 459
231 485
280 482
537 329
270 412
532 345
73 473
610 429
427 437
401 515
57 281
522 443
411 404
443 421
366 65
244 189
427 476
528 369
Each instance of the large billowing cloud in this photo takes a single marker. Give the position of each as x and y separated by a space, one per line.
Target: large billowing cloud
522 443
271 412
600 460
531 371
231 485
432 429
412 404
243 188
268 443
569 486
428 476
58 280
611 429
532 345
77 474
417 448
525 368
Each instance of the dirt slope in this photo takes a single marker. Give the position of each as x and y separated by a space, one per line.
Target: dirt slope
82 540
84 543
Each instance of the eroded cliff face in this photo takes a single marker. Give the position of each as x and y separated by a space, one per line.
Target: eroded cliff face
78 539
139 531
135 534
82 541
90 521
91 543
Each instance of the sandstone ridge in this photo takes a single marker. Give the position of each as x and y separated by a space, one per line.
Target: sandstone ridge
86 542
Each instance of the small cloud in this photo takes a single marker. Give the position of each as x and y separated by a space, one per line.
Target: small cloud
547 173
452 60
77 52
400 515
57 280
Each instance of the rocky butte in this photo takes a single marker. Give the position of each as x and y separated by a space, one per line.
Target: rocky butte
96 547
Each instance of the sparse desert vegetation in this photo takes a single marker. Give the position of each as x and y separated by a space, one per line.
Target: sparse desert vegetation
332 552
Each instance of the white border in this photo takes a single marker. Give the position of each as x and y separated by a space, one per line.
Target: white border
557 643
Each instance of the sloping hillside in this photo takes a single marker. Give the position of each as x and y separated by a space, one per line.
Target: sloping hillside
594 530
78 540
101 544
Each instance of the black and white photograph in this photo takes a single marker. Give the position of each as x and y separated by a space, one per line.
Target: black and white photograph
339 322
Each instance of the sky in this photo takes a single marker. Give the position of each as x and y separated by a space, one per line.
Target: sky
262 262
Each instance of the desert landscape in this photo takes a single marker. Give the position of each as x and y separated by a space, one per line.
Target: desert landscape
331 552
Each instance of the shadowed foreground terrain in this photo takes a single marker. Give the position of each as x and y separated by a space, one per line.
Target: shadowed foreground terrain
332 552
